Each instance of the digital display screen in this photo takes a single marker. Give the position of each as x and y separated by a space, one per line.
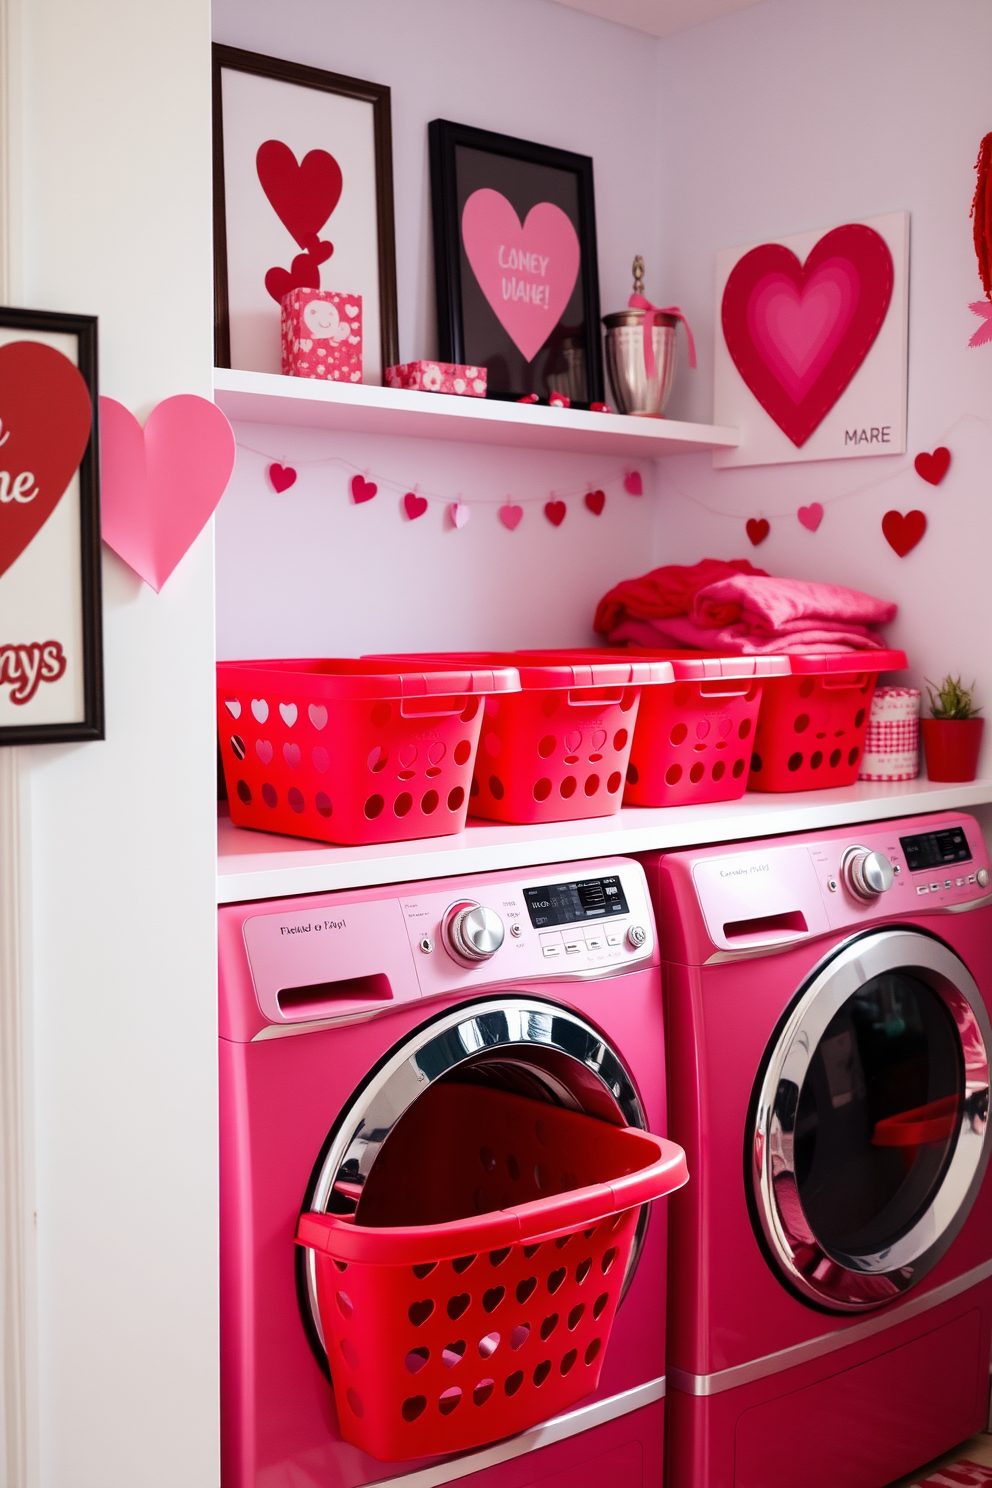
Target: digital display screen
935 849
565 903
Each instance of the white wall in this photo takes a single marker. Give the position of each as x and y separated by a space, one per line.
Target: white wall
799 114
116 219
351 580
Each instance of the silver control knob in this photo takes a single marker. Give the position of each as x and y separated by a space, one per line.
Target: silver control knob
982 878
867 874
473 932
636 936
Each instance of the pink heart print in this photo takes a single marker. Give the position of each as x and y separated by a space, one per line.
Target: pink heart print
415 505
362 490
511 515
160 484
633 484
459 513
528 272
810 516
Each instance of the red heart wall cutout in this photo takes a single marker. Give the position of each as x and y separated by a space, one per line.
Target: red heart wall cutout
757 529
160 484
798 333
933 467
902 533
282 477
555 512
595 501
362 490
45 419
303 273
303 195
415 505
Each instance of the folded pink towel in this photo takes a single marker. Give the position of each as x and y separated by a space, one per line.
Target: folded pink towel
770 607
680 632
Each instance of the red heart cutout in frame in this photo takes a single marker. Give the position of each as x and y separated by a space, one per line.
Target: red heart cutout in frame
302 194
798 333
933 467
757 529
902 533
45 419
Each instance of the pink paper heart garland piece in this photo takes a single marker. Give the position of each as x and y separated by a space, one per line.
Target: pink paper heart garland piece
161 484
282 477
933 467
902 533
511 516
362 490
595 501
633 484
757 529
810 516
414 505
555 512
798 333
459 513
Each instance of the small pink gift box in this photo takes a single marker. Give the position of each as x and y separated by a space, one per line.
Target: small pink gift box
439 377
322 335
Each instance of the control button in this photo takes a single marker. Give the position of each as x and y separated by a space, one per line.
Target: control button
922 889
832 885
516 931
947 883
574 947
983 878
427 945
614 937
472 932
934 888
595 942
958 882
637 936
551 950
971 878
896 869
866 874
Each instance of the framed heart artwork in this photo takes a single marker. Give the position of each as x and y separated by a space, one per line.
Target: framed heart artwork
51 659
303 199
515 263
812 344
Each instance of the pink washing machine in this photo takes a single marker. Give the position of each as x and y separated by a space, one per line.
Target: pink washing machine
828 1042
337 1013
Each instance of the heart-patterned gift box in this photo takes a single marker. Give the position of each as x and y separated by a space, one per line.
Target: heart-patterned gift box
322 335
438 377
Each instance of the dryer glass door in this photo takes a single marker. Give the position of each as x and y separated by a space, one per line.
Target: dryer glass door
869 1140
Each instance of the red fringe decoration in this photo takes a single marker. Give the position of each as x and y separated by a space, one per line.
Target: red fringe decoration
981 210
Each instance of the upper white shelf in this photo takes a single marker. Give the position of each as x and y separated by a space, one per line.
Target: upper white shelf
260 865
268 398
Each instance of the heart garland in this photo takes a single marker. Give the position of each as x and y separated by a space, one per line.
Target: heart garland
459 514
414 505
282 477
362 490
555 512
902 533
810 516
595 501
757 529
511 516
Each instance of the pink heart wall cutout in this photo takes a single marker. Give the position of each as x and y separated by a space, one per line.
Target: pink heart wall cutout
459 513
415 505
633 484
933 467
510 516
161 484
282 477
555 512
810 516
595 501
303 195
798 333
902 533
757 529
362 490
527 273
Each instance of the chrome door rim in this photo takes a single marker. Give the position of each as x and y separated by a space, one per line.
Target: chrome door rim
435 1050
823 1276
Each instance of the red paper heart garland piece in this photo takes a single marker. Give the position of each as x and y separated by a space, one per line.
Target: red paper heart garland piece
902 533
303 195
282 477
757 529
633 484
415 505
595 501
160 484
362 490
798 333
810 516
555 512
45 419
933 467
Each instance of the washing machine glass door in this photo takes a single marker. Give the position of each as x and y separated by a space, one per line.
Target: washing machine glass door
868 1143
516 1043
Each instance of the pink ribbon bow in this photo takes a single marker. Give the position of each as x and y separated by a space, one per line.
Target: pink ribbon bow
638 302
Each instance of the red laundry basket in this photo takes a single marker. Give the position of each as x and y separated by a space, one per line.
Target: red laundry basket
473 1294
812 724
558 749
351 751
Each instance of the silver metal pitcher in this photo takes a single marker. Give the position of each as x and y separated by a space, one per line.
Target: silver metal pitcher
634 391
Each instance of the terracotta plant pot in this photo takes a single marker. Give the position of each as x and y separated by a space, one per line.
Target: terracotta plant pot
952 746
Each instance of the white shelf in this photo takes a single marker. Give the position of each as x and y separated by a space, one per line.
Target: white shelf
267 398
260 865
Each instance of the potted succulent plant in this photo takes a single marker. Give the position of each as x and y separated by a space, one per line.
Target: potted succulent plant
952 737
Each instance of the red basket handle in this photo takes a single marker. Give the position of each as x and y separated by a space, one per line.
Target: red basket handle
579 697
723 689
542 1219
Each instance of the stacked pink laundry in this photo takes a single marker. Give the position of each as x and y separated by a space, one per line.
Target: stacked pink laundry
750 613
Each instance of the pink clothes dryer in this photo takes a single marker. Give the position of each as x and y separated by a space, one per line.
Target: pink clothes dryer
828 1043
337 1012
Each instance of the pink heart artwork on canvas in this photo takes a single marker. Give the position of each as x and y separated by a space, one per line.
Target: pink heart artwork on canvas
160 484
798 333
528 272
810 516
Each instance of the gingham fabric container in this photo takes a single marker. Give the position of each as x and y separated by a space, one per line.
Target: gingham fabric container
892 743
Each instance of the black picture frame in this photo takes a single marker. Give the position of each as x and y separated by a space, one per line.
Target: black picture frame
469 331
92 725
376 94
